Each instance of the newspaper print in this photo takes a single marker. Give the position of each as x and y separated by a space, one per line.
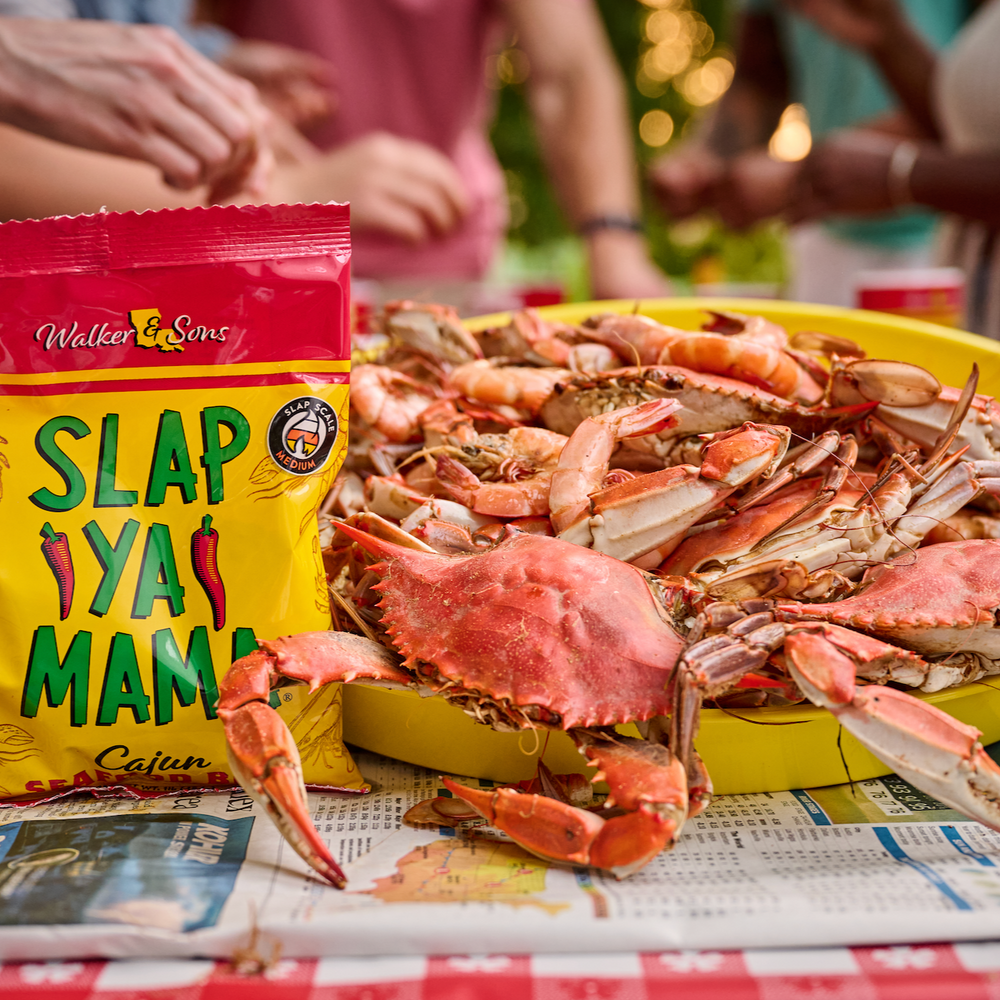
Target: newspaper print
194 875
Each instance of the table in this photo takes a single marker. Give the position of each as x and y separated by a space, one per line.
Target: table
949 972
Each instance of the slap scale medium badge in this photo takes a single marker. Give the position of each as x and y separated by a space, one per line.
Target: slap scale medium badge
301 435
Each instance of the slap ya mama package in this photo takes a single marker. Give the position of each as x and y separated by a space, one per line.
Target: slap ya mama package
173 410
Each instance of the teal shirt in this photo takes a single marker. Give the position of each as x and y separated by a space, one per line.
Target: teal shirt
839 88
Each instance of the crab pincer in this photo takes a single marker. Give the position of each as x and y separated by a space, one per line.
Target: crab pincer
648 805
262 751
933 751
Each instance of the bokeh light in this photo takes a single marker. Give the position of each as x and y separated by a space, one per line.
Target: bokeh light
674 35
792 139
656 127
666 60
708 82
666 25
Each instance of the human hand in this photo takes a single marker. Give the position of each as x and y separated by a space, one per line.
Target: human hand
683 182
863 24
295 84
620 267
406 189
848 172
753 187
137 91
288 143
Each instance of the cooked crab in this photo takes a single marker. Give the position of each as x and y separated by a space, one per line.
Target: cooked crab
512 636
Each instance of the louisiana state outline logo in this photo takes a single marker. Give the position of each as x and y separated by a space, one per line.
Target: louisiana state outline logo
301 435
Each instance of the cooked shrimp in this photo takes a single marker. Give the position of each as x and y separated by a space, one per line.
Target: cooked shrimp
755 362
587 358
541 337
756 328
524 498
525 388
388 400
637 340
583 463
521 462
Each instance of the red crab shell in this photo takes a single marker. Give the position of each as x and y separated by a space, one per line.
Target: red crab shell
532 621
933 601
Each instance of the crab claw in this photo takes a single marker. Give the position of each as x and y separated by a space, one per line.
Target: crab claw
265 761
646 781
262 751
934 752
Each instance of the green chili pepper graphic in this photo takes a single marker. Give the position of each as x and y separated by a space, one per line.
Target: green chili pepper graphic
55 548
205 563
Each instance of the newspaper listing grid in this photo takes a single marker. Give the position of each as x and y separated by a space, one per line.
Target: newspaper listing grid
877 862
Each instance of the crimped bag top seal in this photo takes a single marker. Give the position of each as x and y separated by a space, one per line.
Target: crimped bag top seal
173 409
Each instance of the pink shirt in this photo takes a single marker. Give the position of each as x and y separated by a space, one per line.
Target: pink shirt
415 68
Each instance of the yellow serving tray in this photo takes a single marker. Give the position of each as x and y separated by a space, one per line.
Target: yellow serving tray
750 750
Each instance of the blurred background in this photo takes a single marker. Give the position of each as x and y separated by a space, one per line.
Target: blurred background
426 116
677 62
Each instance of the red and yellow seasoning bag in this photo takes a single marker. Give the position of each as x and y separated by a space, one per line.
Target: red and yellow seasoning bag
173 410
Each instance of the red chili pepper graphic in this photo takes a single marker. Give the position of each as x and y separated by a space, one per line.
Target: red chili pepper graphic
55 548
204 561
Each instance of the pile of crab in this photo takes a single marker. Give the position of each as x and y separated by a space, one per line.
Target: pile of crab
572 527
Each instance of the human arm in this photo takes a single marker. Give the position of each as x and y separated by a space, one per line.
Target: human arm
881 30
136 91
852 173
577 99
396 186
40 178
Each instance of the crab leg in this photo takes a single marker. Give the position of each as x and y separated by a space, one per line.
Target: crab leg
934 752
262 751
646 780
644 519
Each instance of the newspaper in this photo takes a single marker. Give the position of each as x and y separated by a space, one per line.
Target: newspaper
196 874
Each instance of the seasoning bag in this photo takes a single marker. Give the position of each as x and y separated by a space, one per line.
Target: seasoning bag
173 409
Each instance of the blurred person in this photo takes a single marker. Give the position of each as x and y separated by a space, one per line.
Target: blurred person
133 91
127 89
783 57
954 166
418 210
407 144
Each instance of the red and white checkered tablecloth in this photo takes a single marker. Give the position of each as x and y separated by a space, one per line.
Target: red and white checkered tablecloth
908 972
